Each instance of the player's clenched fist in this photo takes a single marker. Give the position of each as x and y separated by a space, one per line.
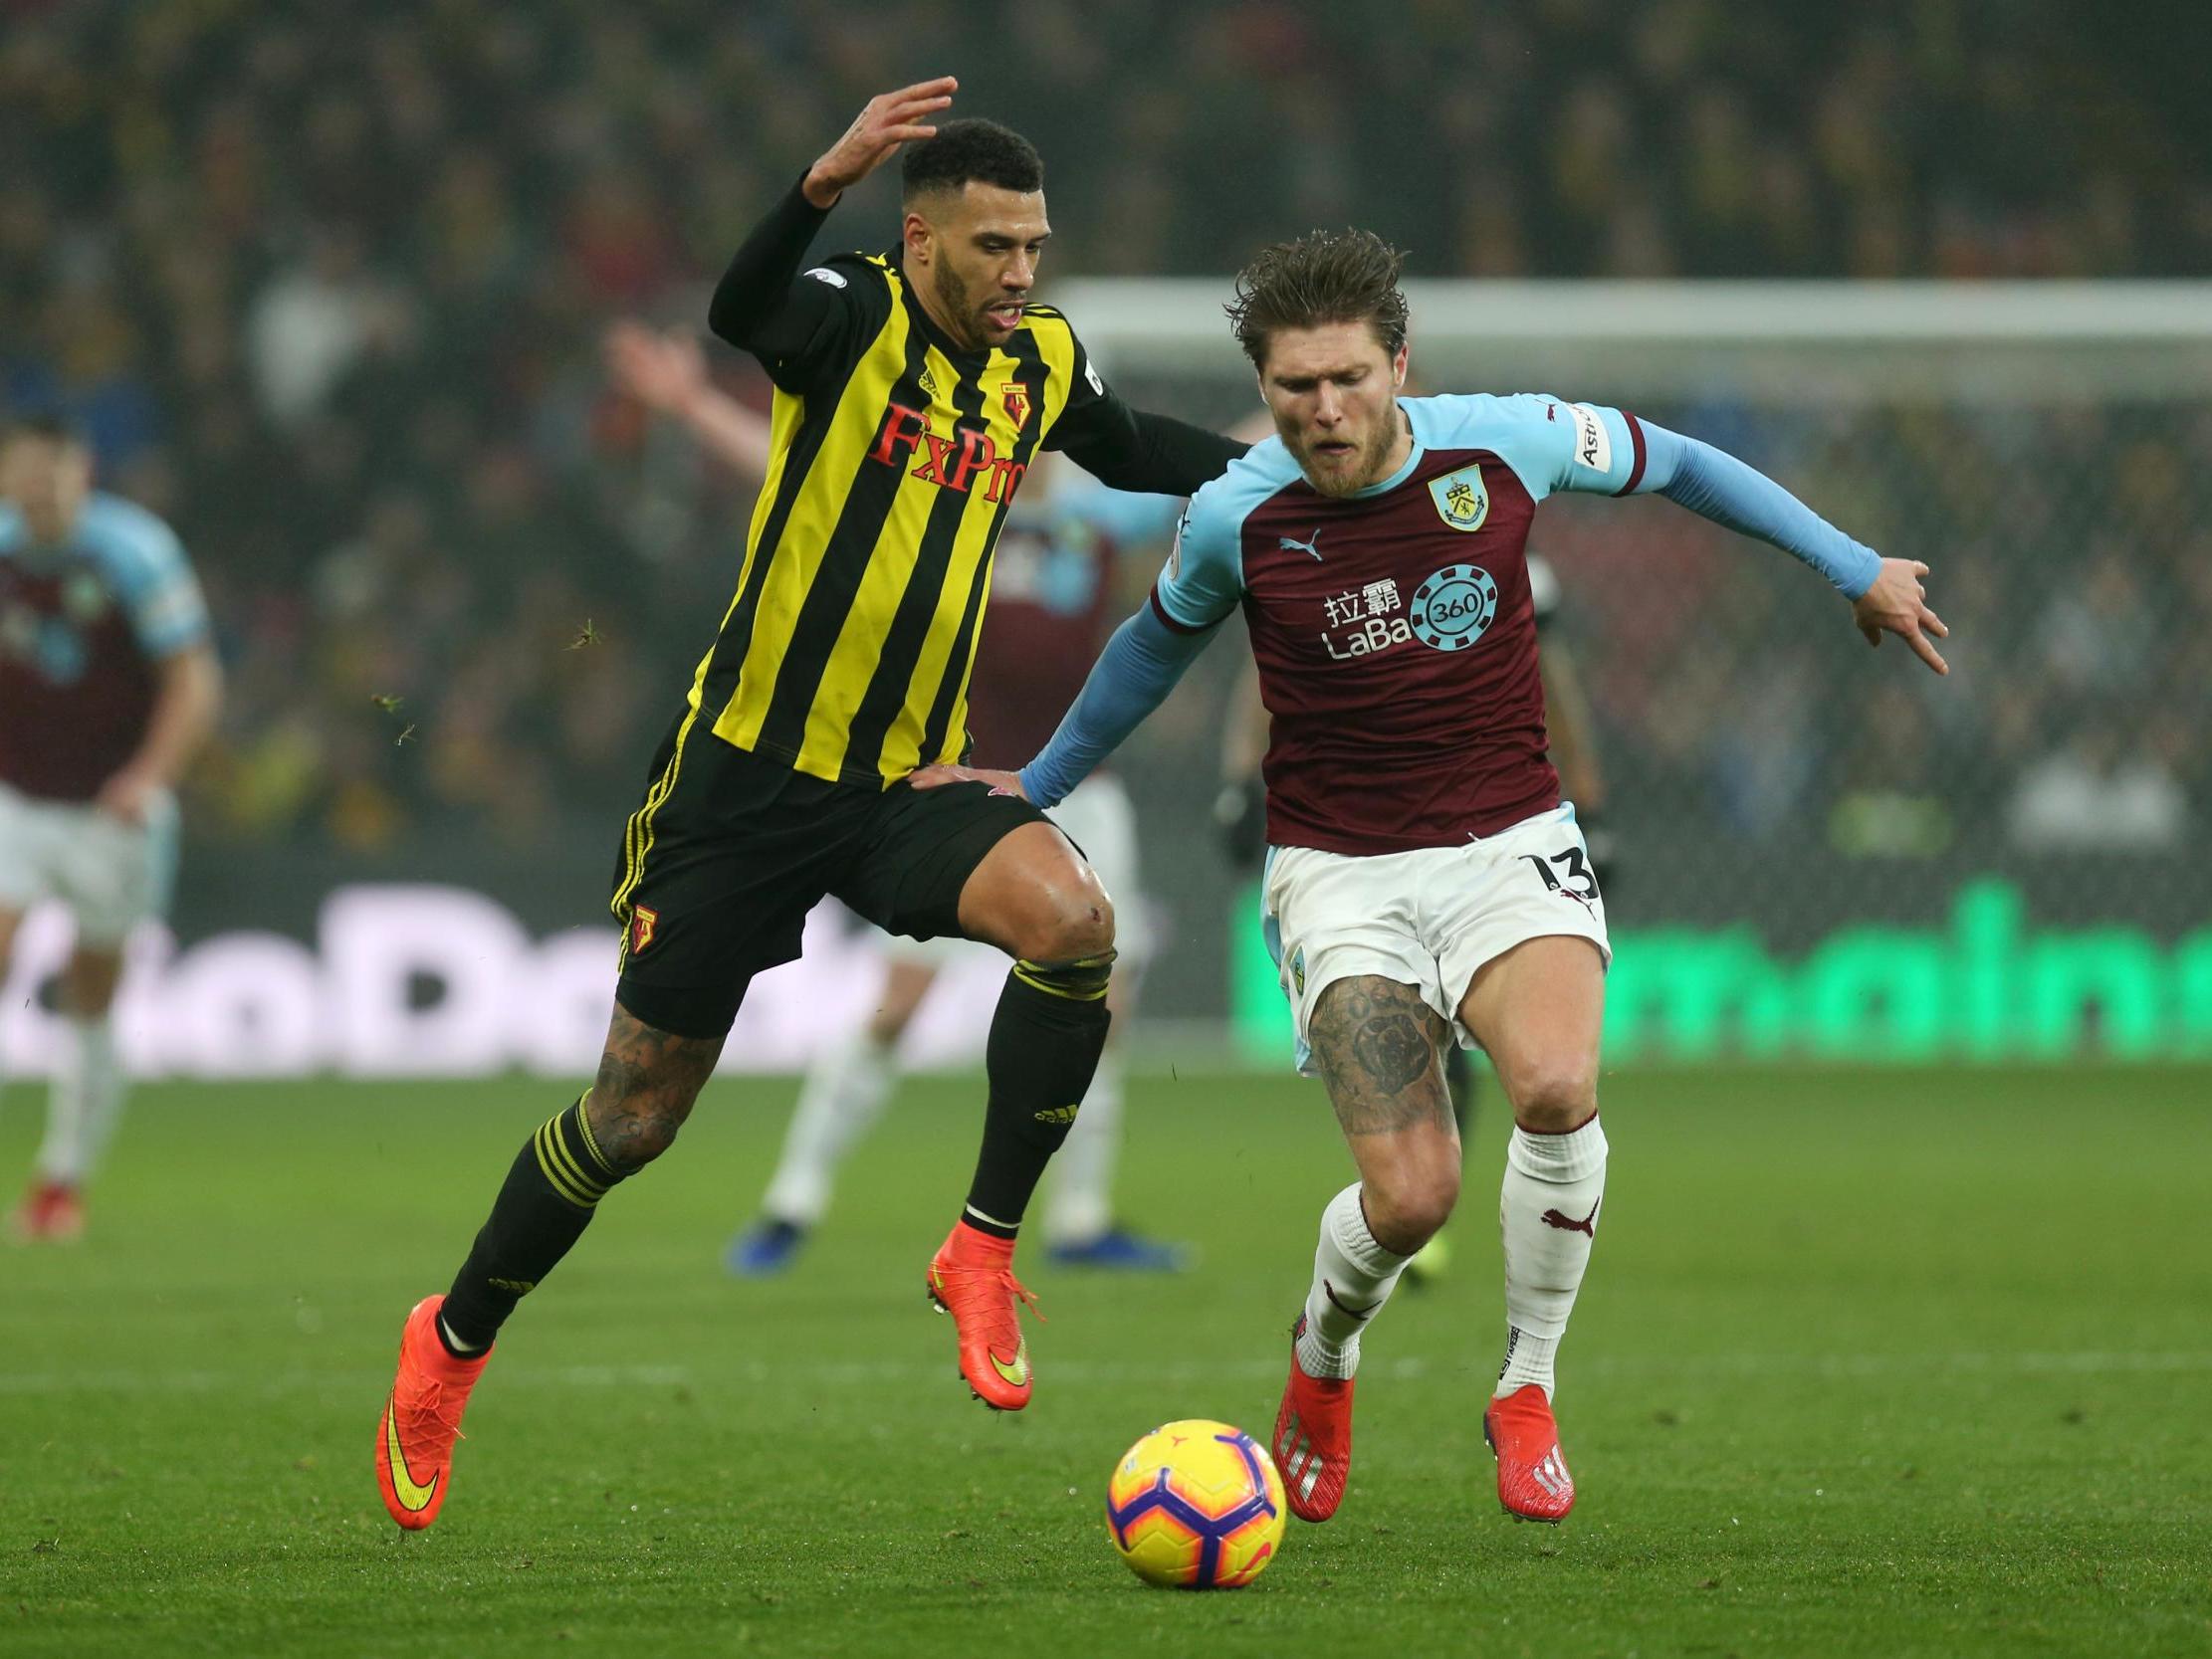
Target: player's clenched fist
889 121
1899 604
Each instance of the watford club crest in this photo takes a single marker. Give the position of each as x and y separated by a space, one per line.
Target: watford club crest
1017 404
645 921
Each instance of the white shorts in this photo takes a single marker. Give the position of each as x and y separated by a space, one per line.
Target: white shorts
1100 819
110 875
1427 919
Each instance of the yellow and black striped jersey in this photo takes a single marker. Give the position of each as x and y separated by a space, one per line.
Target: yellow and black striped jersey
846 650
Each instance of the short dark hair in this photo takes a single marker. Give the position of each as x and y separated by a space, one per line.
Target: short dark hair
46 425
970 148
1322 276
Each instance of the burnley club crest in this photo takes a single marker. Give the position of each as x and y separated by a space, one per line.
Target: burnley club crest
1461 501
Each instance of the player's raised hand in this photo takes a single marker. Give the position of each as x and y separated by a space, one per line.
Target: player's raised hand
659 369
936 777
1899 604
888 120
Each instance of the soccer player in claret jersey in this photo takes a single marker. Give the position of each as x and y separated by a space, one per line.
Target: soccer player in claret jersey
912 390
109 682
1424 880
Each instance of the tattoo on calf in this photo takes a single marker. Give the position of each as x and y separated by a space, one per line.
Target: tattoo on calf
1376 1041
647 1082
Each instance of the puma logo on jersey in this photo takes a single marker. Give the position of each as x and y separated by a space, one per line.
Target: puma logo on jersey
1291 544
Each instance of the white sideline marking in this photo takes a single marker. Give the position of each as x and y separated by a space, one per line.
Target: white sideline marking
862 1373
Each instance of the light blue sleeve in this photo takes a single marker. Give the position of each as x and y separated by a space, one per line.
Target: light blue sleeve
1131 677
1553 445
1205 577
148 569
1714 485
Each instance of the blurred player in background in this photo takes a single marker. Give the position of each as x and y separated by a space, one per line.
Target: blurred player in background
1241 813
1052 601
1425 878
914 389
109 682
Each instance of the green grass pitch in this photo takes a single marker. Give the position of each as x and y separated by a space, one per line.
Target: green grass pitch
1869 1362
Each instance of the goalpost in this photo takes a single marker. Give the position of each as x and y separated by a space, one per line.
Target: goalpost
2034 339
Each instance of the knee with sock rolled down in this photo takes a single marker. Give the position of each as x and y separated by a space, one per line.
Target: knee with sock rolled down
1408 1206
1552 1095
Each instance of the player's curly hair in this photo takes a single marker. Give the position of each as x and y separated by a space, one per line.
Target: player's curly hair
970 148
1322 276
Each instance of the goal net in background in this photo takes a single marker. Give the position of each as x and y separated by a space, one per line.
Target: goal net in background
1828 851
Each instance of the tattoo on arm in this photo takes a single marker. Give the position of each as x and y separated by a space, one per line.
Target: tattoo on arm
647 1082
1376 1042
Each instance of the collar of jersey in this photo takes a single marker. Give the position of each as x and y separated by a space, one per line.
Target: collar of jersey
1413 460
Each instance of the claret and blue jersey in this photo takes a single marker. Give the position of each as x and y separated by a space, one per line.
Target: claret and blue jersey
81 626
1394 629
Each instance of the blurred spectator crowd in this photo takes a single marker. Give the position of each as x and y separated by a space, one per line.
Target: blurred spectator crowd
326 282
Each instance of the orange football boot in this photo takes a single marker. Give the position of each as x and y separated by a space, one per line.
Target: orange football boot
422 1419
1532 1479
971 1278
1313 1437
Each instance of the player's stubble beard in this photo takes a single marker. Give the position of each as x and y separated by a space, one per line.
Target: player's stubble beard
975 328
1374 461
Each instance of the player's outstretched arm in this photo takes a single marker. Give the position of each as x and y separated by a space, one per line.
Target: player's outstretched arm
667 373
1131 677
1886 594
1160 455
755 305
1129 449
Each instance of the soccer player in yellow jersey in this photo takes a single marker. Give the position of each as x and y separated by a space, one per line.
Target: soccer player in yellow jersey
913 390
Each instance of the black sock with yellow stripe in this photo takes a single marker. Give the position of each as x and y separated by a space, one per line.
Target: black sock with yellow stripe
542 1209
1045 1040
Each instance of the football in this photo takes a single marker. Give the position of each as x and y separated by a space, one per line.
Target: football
1196 1505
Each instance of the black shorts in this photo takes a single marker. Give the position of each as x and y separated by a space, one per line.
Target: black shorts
729 850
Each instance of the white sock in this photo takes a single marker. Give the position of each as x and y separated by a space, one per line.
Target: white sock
84 1104
1352 1278
844 1095
1081 1205
1561 1176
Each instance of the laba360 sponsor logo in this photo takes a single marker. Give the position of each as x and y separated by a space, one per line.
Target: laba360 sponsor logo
1450 611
